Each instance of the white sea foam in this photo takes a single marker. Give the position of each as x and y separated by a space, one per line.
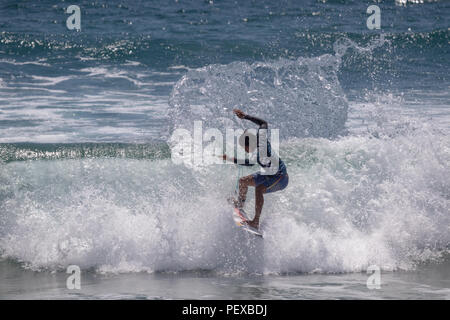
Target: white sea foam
351 202
40 62
50 81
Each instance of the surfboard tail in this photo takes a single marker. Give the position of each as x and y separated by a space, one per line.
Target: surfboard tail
241 219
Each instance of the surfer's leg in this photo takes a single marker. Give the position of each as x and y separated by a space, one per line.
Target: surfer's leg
244 183
259 202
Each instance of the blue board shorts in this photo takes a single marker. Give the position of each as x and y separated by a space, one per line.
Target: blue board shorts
272 183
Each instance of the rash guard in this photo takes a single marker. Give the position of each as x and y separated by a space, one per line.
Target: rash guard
269 161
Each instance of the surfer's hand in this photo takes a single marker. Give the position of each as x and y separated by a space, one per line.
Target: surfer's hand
240 114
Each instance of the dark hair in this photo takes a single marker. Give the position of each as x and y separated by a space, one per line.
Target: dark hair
244 139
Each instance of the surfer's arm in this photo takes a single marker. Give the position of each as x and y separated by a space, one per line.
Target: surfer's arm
260 122
246 162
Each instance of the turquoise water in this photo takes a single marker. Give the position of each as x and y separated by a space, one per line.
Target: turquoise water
86 176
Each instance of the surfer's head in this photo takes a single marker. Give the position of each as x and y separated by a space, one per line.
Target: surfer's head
247 140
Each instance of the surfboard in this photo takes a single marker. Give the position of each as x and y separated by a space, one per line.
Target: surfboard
240 218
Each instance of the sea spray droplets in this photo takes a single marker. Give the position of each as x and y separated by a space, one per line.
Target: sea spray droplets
301 97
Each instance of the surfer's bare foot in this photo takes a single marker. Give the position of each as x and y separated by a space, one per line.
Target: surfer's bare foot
253 224
236 203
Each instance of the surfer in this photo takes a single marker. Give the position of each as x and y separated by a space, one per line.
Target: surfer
273 174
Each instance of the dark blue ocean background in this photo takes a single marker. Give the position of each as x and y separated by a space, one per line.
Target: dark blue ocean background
112 80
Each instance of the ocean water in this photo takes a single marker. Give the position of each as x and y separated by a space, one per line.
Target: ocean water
87 179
